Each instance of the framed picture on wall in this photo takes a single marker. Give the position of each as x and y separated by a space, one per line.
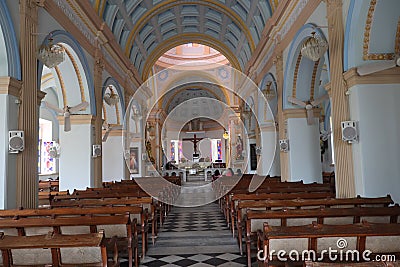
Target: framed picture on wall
134 160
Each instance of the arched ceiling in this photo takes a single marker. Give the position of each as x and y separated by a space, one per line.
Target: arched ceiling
187 102
144 26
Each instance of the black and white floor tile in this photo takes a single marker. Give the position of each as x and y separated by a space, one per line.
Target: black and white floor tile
195 237
204 260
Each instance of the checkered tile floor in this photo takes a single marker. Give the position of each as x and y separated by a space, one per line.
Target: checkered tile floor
204 260
202 220
194 237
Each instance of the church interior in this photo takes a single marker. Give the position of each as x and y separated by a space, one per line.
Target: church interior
199 133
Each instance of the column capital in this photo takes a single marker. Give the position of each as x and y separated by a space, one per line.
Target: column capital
333 3
40 96
278 61
99 60
10 86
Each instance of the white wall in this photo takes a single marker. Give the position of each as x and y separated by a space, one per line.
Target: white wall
113 159
304 151
8 121
76 163
377 155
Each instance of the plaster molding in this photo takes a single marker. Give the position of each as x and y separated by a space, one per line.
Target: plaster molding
296 72
367 37
78 119
390 76
119 133
10 86
299 113
72 12
267 128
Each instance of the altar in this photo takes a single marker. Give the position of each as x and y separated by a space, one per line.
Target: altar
190 168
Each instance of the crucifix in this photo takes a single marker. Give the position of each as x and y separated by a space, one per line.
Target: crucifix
194 140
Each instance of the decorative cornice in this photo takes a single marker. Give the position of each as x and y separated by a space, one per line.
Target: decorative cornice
72 12
10 86
299 113
390 76
78 119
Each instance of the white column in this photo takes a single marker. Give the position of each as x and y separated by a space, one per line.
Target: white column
304 151
376 155
76 162
113 158
268 161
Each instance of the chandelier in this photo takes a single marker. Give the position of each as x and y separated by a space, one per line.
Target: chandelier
51 54
314 47
268 92
111 98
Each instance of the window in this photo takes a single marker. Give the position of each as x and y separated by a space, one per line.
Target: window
216 149
46 165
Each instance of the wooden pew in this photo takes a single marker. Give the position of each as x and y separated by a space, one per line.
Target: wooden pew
249 203
45 197
235 199
136 213
48 185
318 237
334 216
271 187
145 202
85 249
116 226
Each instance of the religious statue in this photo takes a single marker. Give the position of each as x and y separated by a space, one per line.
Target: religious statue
239 148
148 150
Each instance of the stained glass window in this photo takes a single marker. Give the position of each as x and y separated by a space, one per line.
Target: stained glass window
219 149
172 150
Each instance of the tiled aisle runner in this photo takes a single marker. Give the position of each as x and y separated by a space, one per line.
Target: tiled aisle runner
195 237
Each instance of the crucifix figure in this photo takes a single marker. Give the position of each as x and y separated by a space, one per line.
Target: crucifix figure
194 140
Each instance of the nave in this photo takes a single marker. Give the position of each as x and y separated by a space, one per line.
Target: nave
195 236
120 224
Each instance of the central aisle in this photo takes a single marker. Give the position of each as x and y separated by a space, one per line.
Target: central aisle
196 236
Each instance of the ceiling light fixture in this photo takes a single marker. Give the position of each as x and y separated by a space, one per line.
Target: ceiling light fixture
51 54
111 98
314 47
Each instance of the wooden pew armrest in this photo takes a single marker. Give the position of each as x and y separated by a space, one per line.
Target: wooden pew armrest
112 243
134 232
